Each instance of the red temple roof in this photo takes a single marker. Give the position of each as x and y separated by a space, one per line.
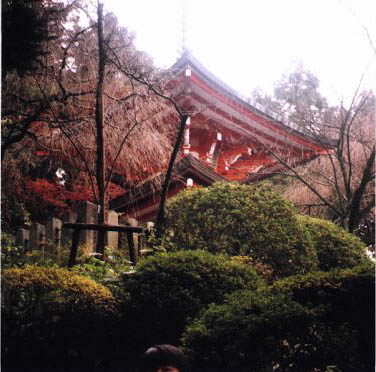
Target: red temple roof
228 139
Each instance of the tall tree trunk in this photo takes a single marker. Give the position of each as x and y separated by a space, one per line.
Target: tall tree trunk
355 215
100 164
162 204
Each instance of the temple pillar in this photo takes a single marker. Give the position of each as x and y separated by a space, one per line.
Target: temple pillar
186 145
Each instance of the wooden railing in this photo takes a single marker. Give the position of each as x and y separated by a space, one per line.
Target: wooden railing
307 207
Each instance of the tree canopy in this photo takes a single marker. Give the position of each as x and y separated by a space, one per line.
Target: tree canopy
49 113
26 28
342 181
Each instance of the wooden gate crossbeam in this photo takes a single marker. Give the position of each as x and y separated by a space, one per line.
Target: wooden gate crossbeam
77 227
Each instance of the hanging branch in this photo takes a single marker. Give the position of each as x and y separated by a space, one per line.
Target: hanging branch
66 134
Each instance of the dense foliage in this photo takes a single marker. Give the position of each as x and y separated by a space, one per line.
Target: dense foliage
334 246
53 319
302 323
48 113
104 271
240 220
168 289
308 321
245 333
26 27
56 319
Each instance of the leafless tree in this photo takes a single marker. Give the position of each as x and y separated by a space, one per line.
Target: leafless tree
343 179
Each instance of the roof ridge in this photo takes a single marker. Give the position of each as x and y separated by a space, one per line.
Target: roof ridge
187 58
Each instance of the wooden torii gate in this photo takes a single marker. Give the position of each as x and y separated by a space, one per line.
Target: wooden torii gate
77 227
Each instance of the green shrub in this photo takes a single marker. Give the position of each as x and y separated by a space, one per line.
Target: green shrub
330 280
264 270
347 296
335 247
302 323
239 220
168 289
52 318
15 256
13 211
11 256
107 271
249 332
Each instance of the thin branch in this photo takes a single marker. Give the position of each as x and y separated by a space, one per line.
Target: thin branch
74 145
121 148
298 176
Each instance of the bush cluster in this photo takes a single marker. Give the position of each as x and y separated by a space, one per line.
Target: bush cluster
244 220
302 323
169 289
334 246
240 220
206 292
53 318
59 320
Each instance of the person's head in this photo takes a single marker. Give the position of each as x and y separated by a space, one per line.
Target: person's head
163 358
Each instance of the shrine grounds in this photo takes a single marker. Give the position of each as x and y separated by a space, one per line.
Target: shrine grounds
239 281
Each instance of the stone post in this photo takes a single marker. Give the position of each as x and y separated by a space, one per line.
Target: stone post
123 239
53 233
87 213
112 236
66 234
147 233
122 236
37 236
134 223
22 239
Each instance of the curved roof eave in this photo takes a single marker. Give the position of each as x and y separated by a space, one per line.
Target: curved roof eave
188 60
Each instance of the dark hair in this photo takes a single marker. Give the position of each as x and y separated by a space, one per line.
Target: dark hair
163 355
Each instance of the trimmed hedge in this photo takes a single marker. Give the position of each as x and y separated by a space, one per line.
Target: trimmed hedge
348 297
298 324
53 319
169 289
335 247
240 220
245 333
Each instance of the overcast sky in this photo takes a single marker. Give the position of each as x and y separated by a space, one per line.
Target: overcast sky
250 43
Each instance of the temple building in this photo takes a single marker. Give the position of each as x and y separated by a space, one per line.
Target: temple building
226 139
